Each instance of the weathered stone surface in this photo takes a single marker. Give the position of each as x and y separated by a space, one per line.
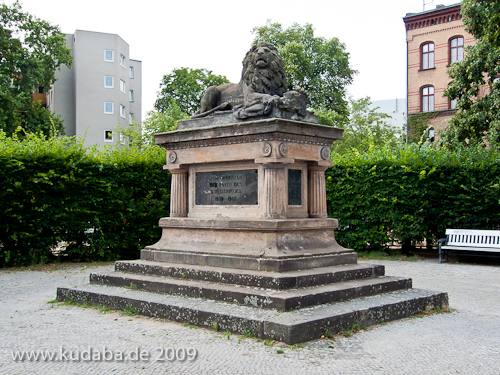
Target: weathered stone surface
260 279
249 241
290 327
249 263
265 129
262 92
282 300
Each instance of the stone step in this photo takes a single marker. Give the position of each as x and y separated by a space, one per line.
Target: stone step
260 279
283 300
257 263
290 327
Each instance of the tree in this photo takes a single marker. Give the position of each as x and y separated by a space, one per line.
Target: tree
319 65
30 52
478 114
366 128
156 122
185 87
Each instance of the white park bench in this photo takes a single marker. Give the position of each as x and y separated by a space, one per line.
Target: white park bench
469 240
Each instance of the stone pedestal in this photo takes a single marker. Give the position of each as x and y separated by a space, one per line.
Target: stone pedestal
255 190
248 244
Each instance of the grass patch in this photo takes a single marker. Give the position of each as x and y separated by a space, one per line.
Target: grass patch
249 334
104 309
436 311
328 334
131 286
353 328
383 255
129 310
49 267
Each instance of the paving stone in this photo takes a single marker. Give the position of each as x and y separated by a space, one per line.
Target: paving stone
466 341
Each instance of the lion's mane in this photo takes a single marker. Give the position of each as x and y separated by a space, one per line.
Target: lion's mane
269 80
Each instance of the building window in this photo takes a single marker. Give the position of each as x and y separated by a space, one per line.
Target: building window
131 72
121 138
131 119
131 96
122 86
108 136
428 56
122 60
453 103
109 82
109 55
428 99
456 49
109 108
122 111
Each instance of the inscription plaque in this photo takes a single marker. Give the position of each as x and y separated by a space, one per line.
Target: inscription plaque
227 187
294 187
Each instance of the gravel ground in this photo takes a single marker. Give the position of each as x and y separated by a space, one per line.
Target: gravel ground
90 341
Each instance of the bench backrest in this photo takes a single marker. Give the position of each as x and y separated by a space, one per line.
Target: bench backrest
476 238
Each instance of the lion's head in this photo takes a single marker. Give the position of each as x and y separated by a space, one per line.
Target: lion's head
263 70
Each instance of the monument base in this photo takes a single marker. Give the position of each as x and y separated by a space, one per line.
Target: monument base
262 245
285 280
291 306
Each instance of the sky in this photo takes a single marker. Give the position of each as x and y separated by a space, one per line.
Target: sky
216 34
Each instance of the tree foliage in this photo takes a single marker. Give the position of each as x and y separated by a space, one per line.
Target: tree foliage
156 122
319 65
478 114
91 203
367 127
184 88
30 52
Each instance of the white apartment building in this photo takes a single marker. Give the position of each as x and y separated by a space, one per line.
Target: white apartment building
396 108
101 91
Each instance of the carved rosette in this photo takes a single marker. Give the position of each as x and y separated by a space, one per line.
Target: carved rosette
267 149
283 149
325 153
172 157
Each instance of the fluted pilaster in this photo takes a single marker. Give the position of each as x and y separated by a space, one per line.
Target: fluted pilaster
317 192
179 193
275 191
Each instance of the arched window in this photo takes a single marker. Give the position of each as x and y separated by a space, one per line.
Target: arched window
456 49
428 56
428 99
452 104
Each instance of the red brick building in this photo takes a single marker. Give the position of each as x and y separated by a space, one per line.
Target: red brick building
435 39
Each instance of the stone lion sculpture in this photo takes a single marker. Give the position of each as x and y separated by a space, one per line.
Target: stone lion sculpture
262 87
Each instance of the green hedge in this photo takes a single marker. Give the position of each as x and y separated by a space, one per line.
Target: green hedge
411 194
103 204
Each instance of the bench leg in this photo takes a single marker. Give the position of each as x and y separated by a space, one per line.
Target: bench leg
443 254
